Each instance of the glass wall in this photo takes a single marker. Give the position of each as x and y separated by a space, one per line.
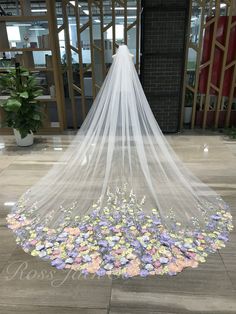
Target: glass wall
94 31
209 65
96 27
88 33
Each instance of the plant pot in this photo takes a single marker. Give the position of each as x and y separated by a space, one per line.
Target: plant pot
26 141
188 114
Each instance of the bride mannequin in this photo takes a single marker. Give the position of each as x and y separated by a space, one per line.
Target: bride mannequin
122 46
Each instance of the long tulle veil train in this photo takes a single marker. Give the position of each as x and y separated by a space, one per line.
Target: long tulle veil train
120 201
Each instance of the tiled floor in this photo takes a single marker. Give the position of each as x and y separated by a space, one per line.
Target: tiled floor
30 286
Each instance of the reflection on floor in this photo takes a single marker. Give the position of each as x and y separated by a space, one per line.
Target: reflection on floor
29 285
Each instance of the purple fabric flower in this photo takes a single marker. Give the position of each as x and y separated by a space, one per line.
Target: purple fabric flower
94 213
141 216
27 246
82 227
136 244
144 273
211 226
103 243
147 258
165 237
61 266
57 262
109 258
146 238
116 216
86 235
39 247
223 237
102 223
215 217
39 229
86 258
101 272
187 245
103 249
163 260
156 221
84 272
73 254
115 238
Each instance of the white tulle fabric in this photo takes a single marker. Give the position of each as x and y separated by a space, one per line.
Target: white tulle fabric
120 144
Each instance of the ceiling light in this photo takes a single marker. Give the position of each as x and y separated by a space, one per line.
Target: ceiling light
222 5
97 21
122 8
58 148
128 17
22 24
37 29
39 10
86 12
73 3
13 33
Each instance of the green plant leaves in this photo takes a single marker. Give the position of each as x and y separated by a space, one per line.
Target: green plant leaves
12 105
231 132
37 93
23 132
24 95
36 117
22 111
26 73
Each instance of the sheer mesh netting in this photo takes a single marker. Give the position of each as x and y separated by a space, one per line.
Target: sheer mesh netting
120 201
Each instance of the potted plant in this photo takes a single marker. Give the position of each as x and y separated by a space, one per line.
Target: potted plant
188 107
231 132
22 111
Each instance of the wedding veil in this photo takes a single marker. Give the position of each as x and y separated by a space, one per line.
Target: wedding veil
120 163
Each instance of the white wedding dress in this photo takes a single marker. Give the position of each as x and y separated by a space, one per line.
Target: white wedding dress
120 202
